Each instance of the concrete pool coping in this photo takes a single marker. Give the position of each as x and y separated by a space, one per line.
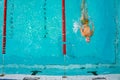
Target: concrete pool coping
46 77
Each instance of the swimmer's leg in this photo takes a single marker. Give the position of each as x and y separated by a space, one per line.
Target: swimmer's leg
83 4
84 12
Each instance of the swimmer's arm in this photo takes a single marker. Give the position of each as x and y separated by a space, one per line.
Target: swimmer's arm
93 28
82 31
92 31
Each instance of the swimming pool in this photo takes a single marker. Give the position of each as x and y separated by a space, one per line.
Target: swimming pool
34 38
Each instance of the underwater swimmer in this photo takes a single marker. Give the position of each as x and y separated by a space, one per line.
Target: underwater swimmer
85 29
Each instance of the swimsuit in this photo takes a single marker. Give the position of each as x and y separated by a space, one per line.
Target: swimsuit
84 21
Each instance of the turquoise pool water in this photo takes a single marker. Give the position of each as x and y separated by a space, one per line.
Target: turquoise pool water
34 37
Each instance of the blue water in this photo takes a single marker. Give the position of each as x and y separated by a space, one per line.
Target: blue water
28 49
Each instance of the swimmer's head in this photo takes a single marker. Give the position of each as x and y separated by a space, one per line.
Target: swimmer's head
87 39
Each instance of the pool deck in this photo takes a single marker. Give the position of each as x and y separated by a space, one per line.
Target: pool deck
45 77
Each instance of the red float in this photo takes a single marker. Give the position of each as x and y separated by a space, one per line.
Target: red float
63 27
4 28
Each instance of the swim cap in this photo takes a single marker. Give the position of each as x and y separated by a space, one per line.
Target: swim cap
87 39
